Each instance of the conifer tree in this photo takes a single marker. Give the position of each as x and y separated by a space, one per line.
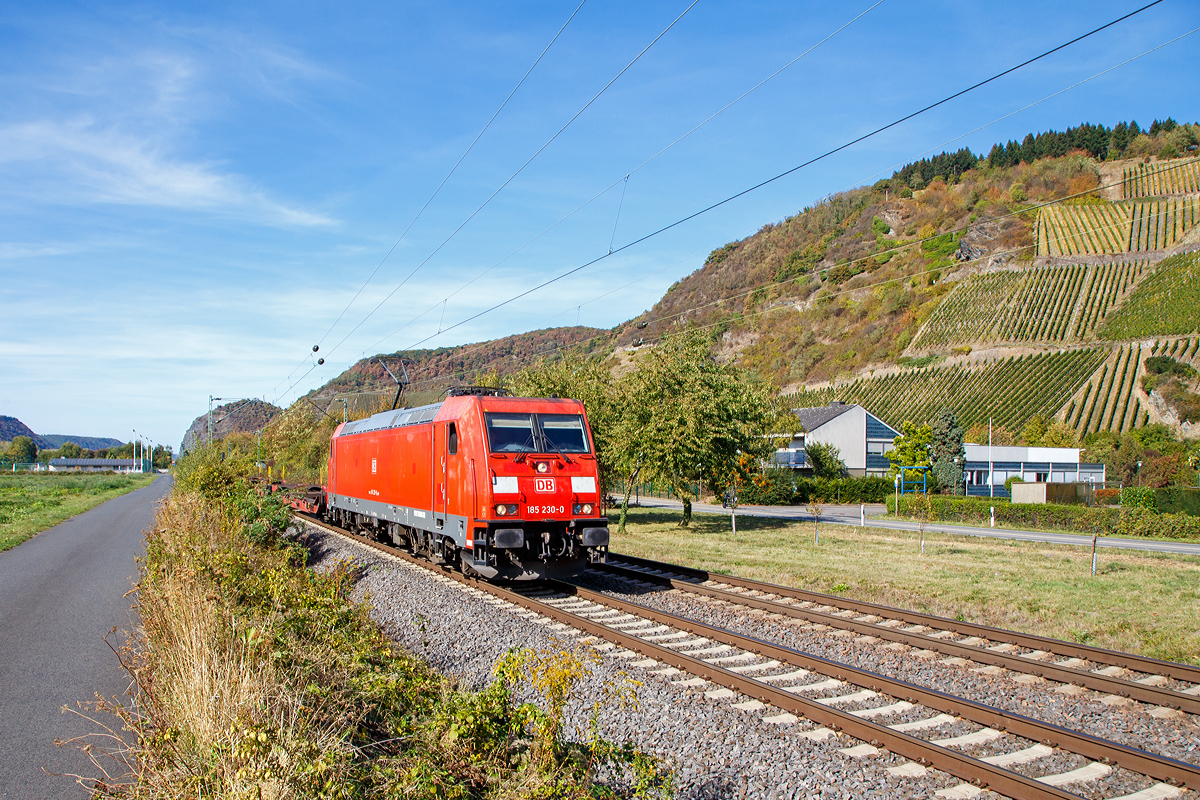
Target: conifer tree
947 442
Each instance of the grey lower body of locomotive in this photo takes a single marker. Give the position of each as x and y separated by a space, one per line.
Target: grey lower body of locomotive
509 550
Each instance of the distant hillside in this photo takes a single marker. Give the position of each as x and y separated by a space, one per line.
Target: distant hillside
238 417
950 284
432 371
11 427
55 441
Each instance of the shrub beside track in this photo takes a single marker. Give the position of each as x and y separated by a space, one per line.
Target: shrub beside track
258 677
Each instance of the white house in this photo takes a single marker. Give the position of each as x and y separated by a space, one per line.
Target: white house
860 437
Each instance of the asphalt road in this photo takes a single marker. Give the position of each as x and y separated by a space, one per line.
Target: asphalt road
849 515
61 592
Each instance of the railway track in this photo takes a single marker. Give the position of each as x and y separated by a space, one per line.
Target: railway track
1164 684
843 699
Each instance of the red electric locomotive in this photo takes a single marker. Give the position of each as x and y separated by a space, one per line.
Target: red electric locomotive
503 487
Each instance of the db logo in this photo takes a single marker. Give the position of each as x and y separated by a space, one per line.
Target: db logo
543 485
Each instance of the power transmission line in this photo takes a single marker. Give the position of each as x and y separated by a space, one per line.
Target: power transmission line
822 156
626 177
777 177
453 169
520 169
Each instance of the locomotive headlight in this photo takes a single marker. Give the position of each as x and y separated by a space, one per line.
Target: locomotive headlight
543 467
506 509
585 509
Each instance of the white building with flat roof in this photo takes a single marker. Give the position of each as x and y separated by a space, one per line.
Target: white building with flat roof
1030 464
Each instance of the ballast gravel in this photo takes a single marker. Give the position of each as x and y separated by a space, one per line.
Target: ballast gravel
716 751
1176 737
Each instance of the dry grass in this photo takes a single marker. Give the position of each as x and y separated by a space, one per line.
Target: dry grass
1138 602
260 678
219 712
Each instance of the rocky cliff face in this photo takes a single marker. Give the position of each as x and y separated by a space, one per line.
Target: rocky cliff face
239 417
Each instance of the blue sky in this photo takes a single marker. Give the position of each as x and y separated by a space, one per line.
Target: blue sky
190 194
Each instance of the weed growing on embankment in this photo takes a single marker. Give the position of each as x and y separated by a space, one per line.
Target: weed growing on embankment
260 678
31 502
1139 602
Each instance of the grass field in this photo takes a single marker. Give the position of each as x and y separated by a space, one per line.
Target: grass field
1138 602
33 502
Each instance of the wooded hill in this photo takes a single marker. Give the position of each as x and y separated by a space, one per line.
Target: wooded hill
1036 281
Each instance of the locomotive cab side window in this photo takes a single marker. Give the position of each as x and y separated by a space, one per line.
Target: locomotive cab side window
452 439
564 433
511 433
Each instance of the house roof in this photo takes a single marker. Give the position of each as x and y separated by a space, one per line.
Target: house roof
112 463
813 418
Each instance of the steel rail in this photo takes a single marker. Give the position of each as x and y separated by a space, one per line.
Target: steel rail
1154 695
969 769
1095 748
962 766
1136 663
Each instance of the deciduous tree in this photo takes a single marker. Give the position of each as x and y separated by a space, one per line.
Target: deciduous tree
911 449
826 460
687 415
589 381
1060 434
1035 430
22 450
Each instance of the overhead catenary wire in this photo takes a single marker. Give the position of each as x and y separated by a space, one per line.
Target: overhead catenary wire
1025 108
900 248
519 170
449 174
907 276
794 169
643 164
790 171
893 250
453 169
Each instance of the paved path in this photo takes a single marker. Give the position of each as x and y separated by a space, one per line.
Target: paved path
61 592
849 515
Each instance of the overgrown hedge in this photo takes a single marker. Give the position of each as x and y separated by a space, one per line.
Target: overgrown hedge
1178 500
1107 521
777 487
259 677
1138 497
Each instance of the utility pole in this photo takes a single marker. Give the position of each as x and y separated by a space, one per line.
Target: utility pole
991 464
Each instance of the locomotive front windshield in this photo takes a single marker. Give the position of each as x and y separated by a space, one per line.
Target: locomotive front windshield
536 433
511 433
564 433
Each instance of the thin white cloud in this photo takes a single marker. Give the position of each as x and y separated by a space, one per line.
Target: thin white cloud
79 161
